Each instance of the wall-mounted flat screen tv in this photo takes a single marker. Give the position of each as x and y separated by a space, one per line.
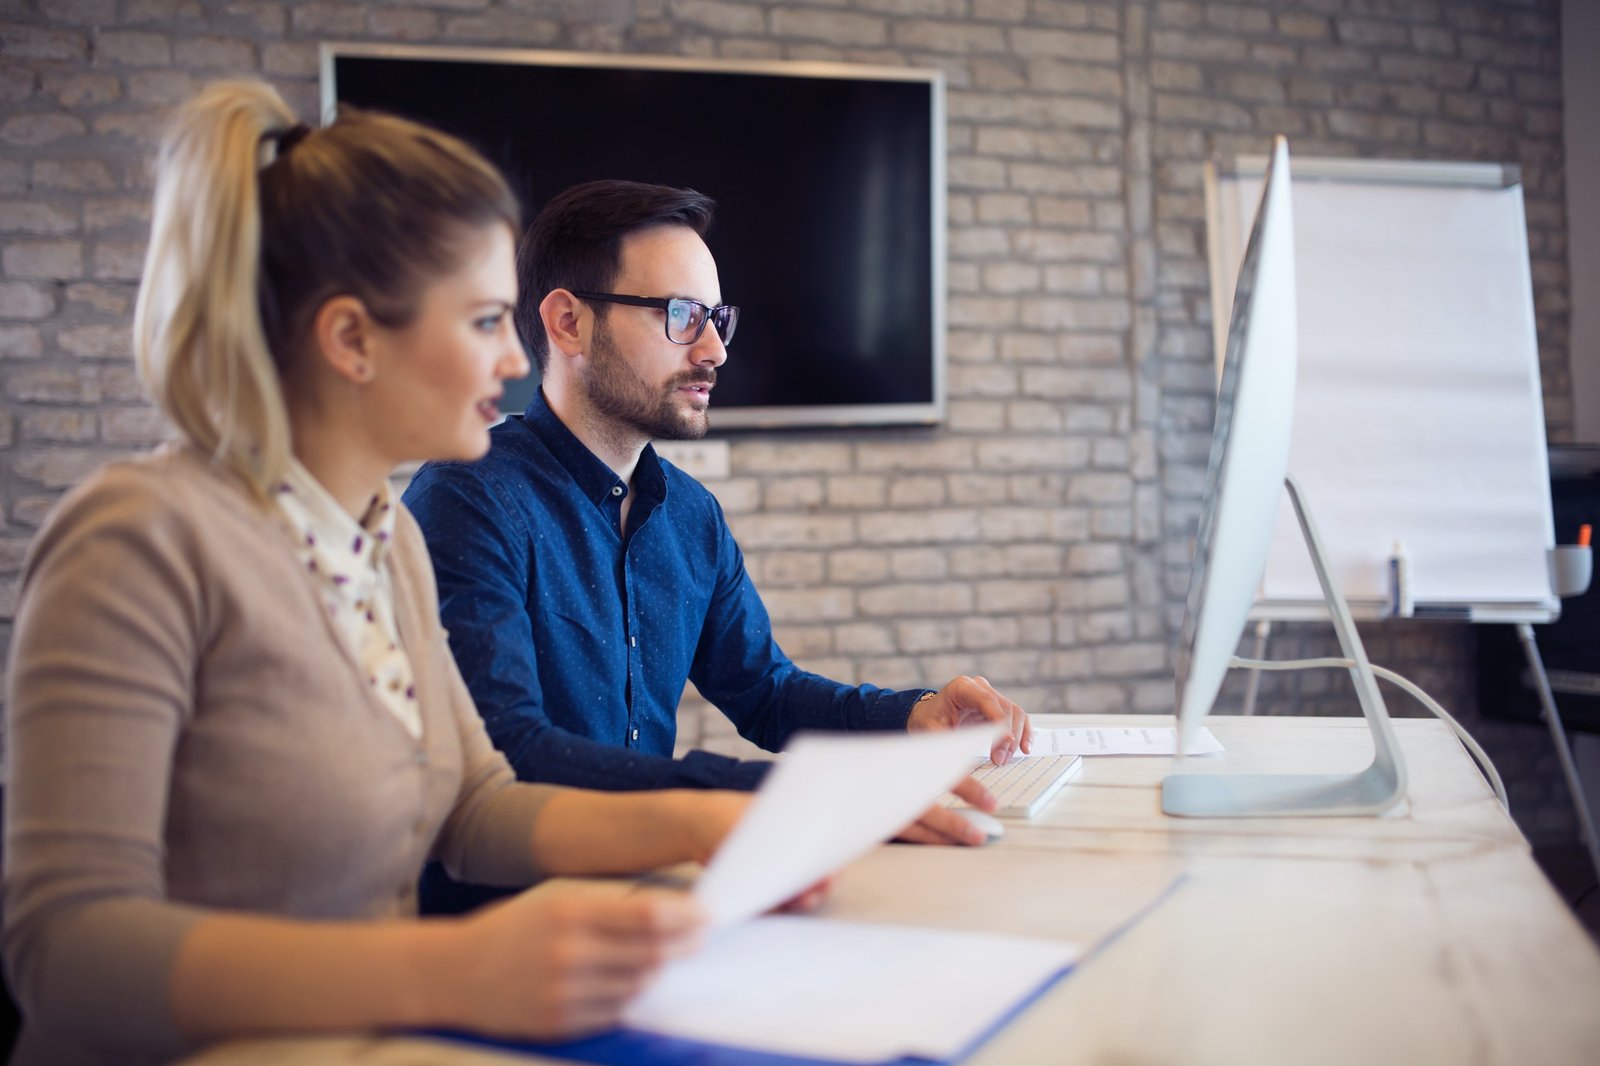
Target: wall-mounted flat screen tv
829 181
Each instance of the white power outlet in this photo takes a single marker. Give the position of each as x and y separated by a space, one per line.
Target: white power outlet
703 460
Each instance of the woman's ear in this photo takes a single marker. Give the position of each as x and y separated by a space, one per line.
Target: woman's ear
345 338
560 313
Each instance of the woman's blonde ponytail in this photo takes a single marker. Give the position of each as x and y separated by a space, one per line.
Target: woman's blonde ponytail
198 336
249 239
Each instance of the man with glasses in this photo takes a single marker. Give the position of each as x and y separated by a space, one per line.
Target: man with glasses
583 580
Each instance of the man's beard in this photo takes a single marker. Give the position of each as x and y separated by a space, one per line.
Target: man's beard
616 390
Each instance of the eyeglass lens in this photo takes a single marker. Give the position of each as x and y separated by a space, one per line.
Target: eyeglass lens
686 320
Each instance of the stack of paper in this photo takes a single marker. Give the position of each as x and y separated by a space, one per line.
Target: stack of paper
803 989
817 989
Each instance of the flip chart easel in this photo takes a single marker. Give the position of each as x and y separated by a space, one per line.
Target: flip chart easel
1419 416
1419 412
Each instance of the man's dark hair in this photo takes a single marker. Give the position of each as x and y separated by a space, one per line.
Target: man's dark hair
575 242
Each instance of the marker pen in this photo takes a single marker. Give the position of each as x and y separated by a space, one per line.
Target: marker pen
1400 603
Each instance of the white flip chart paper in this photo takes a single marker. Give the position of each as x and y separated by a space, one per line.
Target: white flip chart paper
1419 414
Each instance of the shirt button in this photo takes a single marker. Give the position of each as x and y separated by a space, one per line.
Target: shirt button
633 642
635 734
616 490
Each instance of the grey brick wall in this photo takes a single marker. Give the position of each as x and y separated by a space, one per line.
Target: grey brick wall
1041 537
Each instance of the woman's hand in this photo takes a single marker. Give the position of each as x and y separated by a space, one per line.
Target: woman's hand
555 964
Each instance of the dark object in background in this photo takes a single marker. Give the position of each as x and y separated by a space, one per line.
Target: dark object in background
1570 646
829 182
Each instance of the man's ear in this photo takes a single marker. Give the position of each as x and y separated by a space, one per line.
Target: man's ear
345 338
559 311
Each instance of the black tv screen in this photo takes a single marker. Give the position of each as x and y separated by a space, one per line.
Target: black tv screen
829 184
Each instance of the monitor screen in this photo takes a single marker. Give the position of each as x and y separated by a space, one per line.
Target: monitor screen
1249 452
829 181
1246 479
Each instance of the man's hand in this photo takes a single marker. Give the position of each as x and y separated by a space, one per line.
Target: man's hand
966 700
940 825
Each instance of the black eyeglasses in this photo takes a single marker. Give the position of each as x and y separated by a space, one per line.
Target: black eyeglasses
686 319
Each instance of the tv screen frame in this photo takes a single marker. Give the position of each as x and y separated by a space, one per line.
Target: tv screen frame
772 339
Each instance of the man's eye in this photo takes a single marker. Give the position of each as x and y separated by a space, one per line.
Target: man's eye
680 314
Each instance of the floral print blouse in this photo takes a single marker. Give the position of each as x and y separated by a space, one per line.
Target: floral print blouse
348 561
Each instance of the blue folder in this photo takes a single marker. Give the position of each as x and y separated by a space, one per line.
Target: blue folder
630 1047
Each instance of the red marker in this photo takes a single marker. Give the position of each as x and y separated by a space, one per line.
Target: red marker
1584 533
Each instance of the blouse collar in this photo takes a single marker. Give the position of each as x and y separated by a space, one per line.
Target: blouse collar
335 539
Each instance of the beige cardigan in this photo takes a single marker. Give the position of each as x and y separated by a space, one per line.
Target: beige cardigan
187 734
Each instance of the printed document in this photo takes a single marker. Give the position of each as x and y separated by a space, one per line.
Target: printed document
1122 740
829 800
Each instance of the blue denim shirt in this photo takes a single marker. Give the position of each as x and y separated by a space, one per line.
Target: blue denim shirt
576 639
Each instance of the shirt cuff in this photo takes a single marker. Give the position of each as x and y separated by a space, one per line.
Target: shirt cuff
892 710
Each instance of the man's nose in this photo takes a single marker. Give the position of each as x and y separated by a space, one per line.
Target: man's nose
709 349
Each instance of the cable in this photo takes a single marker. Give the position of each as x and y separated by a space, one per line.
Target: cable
1416 693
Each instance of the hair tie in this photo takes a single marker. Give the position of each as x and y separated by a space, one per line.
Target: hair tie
286 138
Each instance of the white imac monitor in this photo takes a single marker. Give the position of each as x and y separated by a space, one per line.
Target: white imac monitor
1245 477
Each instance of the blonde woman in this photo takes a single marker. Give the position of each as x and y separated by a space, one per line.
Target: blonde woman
235 728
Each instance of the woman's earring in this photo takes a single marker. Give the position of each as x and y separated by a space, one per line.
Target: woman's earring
363 371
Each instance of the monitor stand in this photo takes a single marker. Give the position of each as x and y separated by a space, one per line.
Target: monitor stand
1371 791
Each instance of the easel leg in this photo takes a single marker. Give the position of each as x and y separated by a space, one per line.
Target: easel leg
1558 734
1263 627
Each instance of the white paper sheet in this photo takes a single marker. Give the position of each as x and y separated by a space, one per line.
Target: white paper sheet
830 798
846 991
1146 740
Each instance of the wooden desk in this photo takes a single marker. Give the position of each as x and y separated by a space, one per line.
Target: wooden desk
1425 936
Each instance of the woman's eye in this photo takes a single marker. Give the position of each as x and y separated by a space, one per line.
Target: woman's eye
489 323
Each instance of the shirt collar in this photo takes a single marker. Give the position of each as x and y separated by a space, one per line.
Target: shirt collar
323 524
594 478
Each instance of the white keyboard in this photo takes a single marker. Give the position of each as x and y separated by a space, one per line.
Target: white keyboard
1024 785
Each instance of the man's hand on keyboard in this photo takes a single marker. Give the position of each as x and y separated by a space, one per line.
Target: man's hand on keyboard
940 825
968 700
